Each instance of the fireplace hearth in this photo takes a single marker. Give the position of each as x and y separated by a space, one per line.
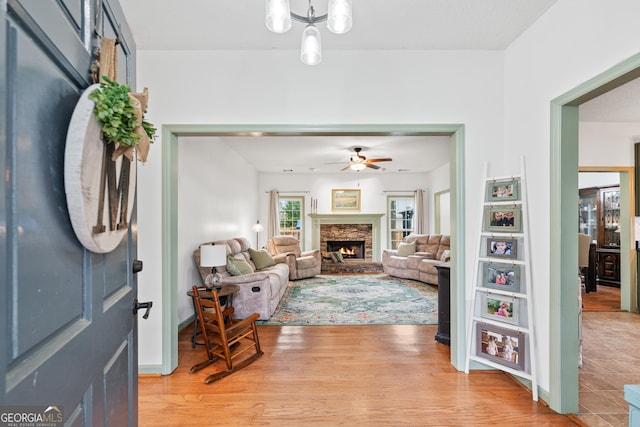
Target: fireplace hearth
350 249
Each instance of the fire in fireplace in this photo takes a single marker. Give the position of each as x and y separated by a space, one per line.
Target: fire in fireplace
350 249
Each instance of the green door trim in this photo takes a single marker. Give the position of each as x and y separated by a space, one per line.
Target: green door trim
170 139
563 329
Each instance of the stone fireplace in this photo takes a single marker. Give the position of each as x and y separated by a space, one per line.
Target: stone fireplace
359 230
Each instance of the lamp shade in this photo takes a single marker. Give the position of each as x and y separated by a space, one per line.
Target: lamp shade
339 20
311 46
257 227
278 18
213 255
358 166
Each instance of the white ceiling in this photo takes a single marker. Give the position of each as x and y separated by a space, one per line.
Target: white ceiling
378 24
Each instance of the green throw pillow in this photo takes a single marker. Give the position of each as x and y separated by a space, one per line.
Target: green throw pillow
262 259
237 267
406 249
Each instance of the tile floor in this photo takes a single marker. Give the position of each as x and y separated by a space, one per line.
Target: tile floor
611 349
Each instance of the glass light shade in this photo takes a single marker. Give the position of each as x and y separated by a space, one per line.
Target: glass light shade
311 52
358 166
339 20
278 18
257 227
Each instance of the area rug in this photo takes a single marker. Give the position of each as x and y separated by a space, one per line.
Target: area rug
359 299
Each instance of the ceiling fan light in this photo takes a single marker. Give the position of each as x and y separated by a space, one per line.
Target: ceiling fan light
339 19
358 166
278 18
311 51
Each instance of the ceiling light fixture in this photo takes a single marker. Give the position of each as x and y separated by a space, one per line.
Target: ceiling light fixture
338 17
358 166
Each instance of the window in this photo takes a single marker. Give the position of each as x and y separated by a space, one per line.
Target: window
400 214
291 217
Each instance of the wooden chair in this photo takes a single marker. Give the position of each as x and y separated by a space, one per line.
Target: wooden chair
224 338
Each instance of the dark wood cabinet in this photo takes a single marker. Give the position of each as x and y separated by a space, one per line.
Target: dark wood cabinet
444 304
599 214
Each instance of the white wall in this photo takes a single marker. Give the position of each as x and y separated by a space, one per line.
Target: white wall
440 181
374 188
363 87
572 43
217 200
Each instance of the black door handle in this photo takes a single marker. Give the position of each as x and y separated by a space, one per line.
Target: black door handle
137 266
142 305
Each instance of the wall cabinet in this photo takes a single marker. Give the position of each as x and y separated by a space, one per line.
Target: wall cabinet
599 216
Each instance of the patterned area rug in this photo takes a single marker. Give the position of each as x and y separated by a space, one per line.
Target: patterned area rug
356 299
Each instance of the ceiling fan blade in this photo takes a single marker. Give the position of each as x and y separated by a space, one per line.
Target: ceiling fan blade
369 165
386 159
337 163
345 168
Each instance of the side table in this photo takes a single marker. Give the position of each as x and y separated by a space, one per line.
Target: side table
444 304
225 293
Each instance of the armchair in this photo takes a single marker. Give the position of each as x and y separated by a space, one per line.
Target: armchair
301 264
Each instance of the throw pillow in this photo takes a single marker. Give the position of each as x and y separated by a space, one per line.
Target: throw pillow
338 256
406 249
237 267
262 259
446 256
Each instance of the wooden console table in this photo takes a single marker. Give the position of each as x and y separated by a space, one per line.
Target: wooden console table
444 305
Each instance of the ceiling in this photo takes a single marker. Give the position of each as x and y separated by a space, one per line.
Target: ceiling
411 25
377 24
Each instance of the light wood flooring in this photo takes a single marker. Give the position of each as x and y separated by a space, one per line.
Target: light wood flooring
374 375
611 344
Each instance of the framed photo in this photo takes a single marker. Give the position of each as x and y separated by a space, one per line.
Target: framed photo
503 190
505 277
505 219
344 200
502 248
501 345
500 308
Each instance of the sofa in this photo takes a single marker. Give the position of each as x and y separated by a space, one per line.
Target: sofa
260 290
417 257
302 265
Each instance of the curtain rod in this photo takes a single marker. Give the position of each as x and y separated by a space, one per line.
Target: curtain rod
291 191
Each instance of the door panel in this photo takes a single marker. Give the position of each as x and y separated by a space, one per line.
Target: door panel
69 334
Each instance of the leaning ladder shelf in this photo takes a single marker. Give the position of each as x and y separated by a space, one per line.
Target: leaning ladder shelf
500 331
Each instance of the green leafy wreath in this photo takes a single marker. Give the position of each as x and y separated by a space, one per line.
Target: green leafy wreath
116 113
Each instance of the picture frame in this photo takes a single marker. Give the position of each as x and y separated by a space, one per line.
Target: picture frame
503 190
501 345
503 219
500 308
345 200
502 248
501 276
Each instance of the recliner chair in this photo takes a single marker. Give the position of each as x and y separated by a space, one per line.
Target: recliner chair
301 264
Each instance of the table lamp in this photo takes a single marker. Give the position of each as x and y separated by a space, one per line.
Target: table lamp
257 227
213 256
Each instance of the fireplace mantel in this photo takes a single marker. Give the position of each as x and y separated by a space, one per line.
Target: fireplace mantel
353 218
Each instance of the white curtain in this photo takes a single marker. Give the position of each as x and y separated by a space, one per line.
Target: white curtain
418 213
273 224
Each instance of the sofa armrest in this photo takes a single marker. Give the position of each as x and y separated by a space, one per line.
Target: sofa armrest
314 253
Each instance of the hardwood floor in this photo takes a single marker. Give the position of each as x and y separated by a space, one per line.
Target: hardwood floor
611 343
374 375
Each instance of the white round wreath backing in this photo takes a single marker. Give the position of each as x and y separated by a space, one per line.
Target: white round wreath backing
83 160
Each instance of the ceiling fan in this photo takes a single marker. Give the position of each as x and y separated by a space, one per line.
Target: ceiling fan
358 161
